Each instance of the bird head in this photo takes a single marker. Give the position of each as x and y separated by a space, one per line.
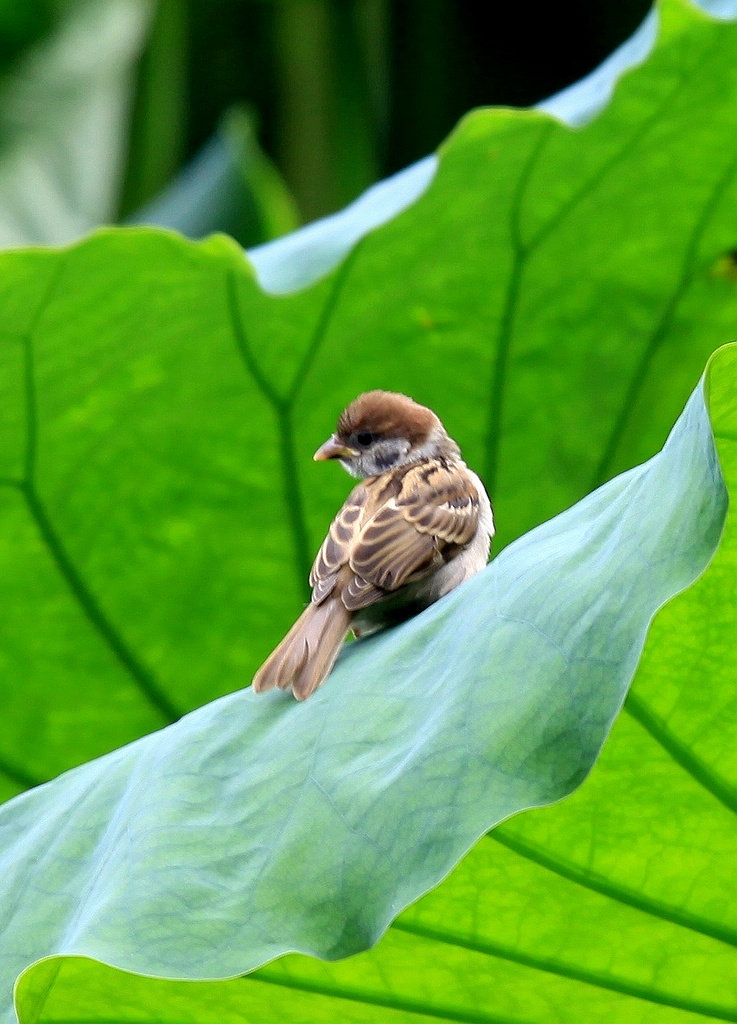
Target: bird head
382 430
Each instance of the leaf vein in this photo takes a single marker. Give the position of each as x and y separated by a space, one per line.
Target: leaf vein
632 143
700 772
18 776
560 969
291 491
65 565
386 1002
604 887
323 323
685 278
509 311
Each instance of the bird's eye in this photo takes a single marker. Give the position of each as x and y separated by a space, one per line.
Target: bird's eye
364 438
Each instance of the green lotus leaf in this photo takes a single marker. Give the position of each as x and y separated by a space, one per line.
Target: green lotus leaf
272 826
554 294
176 406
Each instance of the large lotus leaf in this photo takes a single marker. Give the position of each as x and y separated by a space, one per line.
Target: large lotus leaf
547 294
257 825
613 906
616 905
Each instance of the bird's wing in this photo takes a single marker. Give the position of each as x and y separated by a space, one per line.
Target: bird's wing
441 500
432 517
394 529
336 548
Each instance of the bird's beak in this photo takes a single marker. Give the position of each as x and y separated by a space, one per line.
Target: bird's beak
333 449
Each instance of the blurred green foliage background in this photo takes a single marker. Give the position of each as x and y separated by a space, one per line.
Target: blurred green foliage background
343 92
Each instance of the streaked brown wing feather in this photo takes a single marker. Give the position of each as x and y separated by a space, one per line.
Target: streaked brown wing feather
435 513
390 549
359 593
336 548
395 529
441 502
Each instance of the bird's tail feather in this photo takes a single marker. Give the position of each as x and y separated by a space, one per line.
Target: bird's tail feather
307 653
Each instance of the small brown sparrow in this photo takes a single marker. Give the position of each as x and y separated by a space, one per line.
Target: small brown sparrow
419 524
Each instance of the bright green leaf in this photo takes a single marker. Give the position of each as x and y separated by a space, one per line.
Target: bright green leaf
554 295
274 826
547 295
